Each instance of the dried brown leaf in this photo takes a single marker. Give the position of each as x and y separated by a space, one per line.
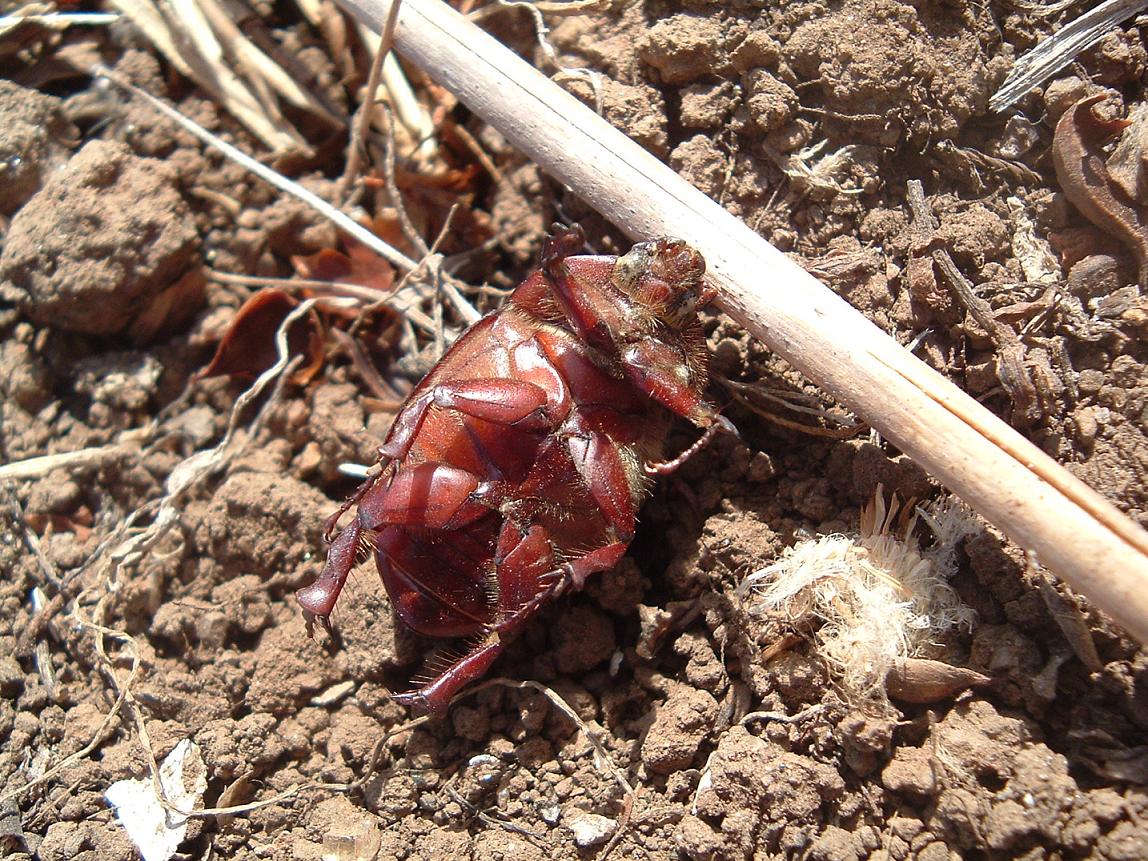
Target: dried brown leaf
248 346
359 265
1085 179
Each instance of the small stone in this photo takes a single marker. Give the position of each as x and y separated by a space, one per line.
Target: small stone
1087 421
759 49
686 47
1062 93
706 106
93 249
911 772
1090 381
589 829
680 726
33 136
11 677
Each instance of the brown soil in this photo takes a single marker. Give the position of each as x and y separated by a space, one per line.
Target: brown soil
108 216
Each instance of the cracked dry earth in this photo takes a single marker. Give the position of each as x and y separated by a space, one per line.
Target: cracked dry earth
808 120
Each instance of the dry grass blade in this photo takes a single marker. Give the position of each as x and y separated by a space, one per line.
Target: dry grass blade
205 45
342 221
403 299
466 312
362 121
397 91
55 20
257 65
35 467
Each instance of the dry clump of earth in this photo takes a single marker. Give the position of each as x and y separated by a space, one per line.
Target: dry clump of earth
808 121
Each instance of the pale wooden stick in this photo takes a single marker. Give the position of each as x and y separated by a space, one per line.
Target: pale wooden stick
1077 533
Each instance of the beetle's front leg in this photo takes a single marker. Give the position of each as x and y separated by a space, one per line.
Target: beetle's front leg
318 599
663 373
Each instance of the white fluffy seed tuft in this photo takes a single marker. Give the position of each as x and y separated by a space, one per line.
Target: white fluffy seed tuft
868 599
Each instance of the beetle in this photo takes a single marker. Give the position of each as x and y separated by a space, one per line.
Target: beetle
516 468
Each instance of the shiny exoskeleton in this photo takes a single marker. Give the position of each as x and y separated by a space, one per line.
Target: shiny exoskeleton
516 468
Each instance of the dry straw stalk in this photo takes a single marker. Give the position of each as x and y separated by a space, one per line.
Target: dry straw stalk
1074 531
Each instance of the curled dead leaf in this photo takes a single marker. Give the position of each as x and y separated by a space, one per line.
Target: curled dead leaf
360 266
1086 181
248 346
920 680
238 792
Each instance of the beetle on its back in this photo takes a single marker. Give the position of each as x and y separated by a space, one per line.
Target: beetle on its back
516 468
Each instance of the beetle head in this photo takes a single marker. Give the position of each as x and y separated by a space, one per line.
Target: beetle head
665 278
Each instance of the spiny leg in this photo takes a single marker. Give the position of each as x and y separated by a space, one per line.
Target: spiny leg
318 599
517 591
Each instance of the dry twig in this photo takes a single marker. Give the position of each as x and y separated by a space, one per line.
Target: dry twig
362 122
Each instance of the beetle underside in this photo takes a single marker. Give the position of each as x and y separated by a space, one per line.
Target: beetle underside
516 468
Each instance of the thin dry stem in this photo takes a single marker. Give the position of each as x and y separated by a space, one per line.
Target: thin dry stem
344 222
35 467
361 125
370 298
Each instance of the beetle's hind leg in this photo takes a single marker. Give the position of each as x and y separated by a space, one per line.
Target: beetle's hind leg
435 697
525 579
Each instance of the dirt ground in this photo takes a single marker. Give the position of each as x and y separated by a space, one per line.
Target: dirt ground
141 608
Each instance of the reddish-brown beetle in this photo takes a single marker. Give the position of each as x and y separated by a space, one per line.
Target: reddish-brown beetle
516 468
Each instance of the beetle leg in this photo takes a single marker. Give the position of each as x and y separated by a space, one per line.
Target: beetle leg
666 467
561 243
598 463
662 373
436 696
602 559
319 598
332 522
520 586
501 401
427 495
526 578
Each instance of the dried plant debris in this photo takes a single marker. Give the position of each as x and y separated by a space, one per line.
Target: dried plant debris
1060 49
872 601
205 45
154 822
1102 197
